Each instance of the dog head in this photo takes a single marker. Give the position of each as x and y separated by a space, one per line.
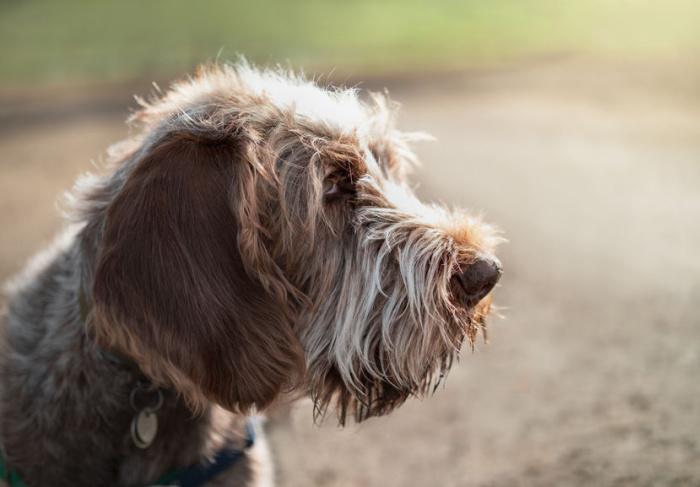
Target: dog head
260 237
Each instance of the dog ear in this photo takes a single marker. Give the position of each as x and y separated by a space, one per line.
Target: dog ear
171 289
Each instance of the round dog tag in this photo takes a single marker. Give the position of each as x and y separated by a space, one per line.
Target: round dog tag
144 428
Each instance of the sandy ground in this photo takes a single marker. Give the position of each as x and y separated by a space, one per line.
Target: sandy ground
592 377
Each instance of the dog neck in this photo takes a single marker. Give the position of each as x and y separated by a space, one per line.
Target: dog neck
66 414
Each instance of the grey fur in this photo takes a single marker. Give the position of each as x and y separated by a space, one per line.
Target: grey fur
65 410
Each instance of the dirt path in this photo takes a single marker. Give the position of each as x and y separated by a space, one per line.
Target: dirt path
593 376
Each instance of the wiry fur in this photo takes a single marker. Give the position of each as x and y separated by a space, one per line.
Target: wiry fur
214 255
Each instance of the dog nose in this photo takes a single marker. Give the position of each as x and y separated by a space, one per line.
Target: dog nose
478 278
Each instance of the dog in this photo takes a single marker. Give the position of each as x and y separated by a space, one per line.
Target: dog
256 241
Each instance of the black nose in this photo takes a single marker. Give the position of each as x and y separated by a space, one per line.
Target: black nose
478 278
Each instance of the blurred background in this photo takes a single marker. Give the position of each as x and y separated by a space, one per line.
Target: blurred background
573 125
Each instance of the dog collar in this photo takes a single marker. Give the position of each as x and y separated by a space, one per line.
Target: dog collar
199 474
193 476
9 475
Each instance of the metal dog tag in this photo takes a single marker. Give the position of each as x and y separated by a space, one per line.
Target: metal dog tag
144 428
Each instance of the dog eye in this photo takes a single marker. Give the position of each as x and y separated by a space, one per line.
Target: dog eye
332 189
338 186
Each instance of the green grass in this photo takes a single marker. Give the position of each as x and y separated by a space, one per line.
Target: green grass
48 41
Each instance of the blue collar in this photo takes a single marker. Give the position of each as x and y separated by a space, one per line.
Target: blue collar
199 474
192 476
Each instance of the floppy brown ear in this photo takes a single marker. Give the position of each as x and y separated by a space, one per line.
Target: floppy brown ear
170 288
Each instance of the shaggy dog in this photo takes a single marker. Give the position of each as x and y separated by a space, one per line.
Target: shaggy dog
257 239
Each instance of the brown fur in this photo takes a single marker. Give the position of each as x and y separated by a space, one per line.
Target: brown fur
170 287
